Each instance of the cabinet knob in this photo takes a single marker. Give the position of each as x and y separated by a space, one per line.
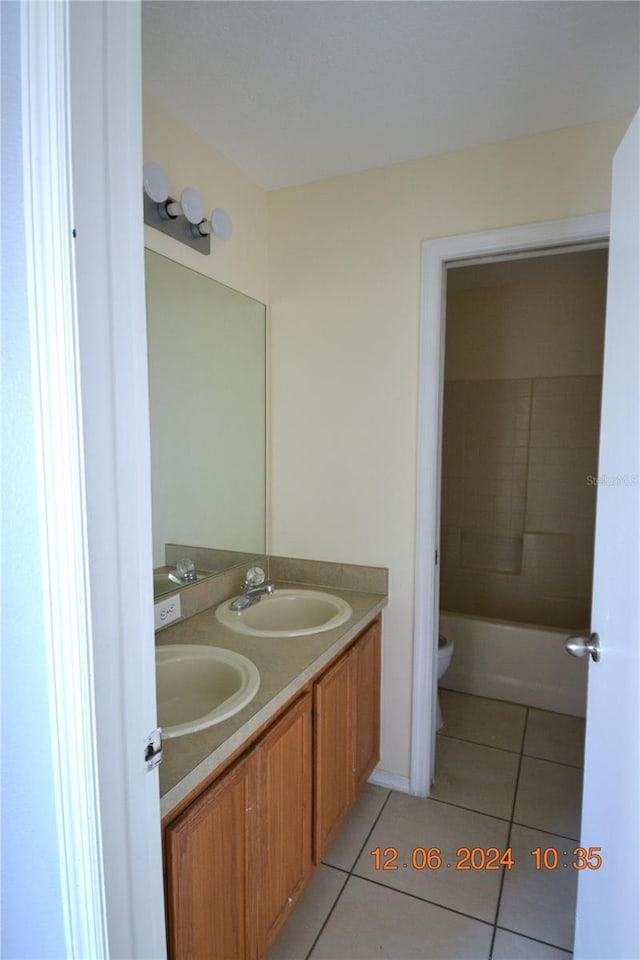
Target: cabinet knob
289 899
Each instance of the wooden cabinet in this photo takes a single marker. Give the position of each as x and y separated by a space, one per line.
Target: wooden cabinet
333 708
366 705
239 856
209 852
346 733
284 798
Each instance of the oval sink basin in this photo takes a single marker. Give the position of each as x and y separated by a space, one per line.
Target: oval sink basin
198 686
286 613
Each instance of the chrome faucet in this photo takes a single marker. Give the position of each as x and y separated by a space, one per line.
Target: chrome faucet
253 589
185 572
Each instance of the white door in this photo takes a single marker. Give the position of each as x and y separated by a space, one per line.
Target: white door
608 911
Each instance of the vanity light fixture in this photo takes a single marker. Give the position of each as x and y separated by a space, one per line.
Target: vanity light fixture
190 206
155 182
220 225
181 219
156 187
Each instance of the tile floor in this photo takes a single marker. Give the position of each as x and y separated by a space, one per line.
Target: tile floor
506 776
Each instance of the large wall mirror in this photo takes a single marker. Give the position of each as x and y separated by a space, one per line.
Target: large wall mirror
207 399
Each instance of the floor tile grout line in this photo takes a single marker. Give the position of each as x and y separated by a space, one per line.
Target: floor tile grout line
530 756
513 810
521 749
510 703
460 806
505 703
547 943
373 826
415 896
326 919
549 833
479 743
524 731
559 763
495 816
556 713
521 754
349 874
332 866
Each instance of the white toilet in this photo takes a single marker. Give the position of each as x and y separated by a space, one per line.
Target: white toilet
445 652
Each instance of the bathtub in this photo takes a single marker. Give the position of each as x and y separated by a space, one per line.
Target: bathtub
514 661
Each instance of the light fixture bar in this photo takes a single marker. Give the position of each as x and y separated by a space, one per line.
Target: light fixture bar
181 219
177 227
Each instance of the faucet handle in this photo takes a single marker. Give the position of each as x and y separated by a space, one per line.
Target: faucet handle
186 570
255 577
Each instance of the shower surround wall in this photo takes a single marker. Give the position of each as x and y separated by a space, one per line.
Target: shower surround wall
520 453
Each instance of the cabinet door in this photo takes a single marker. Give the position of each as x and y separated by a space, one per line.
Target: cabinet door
333 760
284 777
366 704
209 851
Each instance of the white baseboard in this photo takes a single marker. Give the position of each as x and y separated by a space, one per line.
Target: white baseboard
392 781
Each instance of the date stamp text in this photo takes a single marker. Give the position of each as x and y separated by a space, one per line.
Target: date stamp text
486 858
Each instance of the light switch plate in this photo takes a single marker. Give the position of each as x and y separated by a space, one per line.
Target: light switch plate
166 611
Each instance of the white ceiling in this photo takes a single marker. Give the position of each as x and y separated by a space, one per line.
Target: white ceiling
297 91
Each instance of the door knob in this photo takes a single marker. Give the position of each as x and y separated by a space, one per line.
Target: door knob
579 646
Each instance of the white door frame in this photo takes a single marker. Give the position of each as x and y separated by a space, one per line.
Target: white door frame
106 122
53 322
534 238
82 115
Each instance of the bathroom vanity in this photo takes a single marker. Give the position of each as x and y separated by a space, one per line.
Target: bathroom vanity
251 805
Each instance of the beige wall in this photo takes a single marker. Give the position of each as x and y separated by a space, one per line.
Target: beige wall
539 317
344 261
189 161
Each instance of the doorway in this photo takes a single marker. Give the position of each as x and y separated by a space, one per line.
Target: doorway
471 551
522 387
524 347
437 256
